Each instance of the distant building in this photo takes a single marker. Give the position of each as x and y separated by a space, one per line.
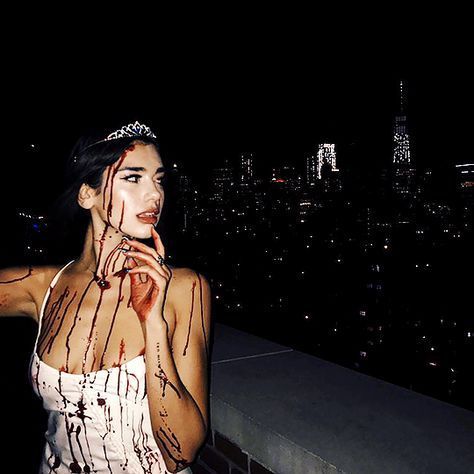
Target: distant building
247 167
327 171
403 170
465 187
185 196
286 177
310 170
465 178
326 153
222 178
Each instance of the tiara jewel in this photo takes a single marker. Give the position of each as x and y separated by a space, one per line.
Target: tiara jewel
131 130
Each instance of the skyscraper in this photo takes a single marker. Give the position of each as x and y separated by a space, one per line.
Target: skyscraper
403 170
326 154
465 188
221 181
327 171
247 167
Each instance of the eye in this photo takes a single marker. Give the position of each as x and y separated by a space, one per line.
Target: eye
132 177
161 180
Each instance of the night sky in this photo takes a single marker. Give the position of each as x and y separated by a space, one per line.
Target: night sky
210 99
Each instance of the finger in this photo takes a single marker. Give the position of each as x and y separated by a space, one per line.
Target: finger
154 255
136 279
131 263
159 279
148 259
123 243
160 248
143 248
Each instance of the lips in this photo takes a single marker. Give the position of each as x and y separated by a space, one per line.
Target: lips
150 216
149 213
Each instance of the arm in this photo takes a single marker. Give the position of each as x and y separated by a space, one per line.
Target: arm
177 376
16 298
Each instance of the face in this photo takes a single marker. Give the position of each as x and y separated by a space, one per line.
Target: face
132 195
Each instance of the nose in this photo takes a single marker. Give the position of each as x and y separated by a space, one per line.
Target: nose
153 193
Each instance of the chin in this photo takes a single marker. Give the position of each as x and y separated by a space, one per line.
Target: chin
144 232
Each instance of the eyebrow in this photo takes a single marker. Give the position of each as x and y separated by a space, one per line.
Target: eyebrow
161 169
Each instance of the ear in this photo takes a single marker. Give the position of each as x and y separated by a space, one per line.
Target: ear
86 196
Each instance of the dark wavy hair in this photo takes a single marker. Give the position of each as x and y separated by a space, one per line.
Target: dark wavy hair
86 163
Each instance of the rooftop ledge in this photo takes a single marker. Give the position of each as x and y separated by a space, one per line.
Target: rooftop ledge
295 413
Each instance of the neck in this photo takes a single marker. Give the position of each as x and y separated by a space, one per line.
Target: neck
101 253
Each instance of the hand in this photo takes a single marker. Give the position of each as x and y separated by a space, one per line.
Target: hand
148 296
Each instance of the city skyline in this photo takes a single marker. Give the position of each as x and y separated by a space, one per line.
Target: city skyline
211 93
278 117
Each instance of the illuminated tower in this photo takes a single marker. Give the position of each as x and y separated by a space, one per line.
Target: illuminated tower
328 174
403 171
401 138
247 166
326 153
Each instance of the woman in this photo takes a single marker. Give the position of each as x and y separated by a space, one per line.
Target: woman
121 359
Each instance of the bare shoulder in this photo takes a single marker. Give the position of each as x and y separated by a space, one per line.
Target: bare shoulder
22 287
44 277
183 278
28 277
45 271
185 284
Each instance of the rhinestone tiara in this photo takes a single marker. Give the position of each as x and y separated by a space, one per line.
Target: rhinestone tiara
136 129
131 130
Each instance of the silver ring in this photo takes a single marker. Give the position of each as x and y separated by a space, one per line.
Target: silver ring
160 259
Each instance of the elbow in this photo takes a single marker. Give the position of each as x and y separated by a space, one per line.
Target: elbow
189 451
174 464
196 444
177 465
